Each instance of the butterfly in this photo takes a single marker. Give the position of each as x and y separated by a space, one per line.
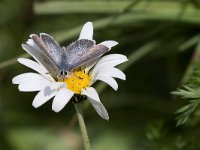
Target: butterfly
61 61
65 59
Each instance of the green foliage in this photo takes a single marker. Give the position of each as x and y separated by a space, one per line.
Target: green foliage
161 40
191 88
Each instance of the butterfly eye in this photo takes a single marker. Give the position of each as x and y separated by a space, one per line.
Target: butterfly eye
65 73
61 72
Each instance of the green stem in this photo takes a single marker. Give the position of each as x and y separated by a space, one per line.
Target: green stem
12 61
79 111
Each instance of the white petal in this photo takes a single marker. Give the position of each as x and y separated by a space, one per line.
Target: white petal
114 59
109 80
32 44
87 31
109 44
61 99
33 65
91 93
43 96
93 97
57 85
111 72
32 86
108 61
26 77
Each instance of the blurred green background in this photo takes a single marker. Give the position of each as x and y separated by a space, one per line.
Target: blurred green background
161 40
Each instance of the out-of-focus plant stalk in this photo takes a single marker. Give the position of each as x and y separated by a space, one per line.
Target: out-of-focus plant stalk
79 111
12 61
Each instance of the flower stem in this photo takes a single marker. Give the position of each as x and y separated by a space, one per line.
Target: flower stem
79 111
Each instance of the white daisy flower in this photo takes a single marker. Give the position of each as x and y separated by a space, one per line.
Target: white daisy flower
79 82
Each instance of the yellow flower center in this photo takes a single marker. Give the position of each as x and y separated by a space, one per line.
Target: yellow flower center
77 81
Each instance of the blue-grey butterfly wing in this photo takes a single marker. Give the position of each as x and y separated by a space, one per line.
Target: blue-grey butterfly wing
73 52
81 53
92 54
50 49
79 46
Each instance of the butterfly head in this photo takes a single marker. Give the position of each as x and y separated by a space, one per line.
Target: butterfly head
63 74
